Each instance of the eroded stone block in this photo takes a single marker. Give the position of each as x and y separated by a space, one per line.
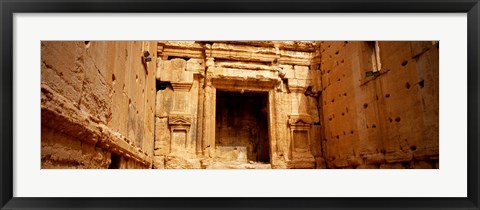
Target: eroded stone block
162 136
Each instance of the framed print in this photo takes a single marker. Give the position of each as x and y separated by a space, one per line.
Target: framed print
239 105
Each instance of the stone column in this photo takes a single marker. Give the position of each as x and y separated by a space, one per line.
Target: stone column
200 110
209 111
272 130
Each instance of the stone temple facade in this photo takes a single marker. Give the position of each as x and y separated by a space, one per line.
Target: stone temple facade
240 104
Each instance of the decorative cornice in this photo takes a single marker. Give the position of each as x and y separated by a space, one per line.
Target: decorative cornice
179 119
300 120
181 86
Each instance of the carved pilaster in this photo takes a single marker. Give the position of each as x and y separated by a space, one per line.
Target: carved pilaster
209 118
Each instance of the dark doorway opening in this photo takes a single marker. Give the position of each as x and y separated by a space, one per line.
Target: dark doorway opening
242 120
116 159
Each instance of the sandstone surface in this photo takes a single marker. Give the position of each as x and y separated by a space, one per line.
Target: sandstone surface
240 104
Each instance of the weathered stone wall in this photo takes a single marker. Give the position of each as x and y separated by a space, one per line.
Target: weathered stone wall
387 120
98 103
189 104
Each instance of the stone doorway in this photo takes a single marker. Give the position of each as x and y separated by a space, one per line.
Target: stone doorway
241 124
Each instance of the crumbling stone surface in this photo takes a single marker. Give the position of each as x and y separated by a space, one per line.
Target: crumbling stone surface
100 94
64 151
180 162
240 105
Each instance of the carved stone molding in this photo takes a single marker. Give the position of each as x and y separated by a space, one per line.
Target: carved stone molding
298 85
183 49
300 120
180 119
181 86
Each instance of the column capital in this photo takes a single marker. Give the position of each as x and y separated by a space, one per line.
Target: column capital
298 85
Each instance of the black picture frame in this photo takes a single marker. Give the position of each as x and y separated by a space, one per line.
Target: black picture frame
9 7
